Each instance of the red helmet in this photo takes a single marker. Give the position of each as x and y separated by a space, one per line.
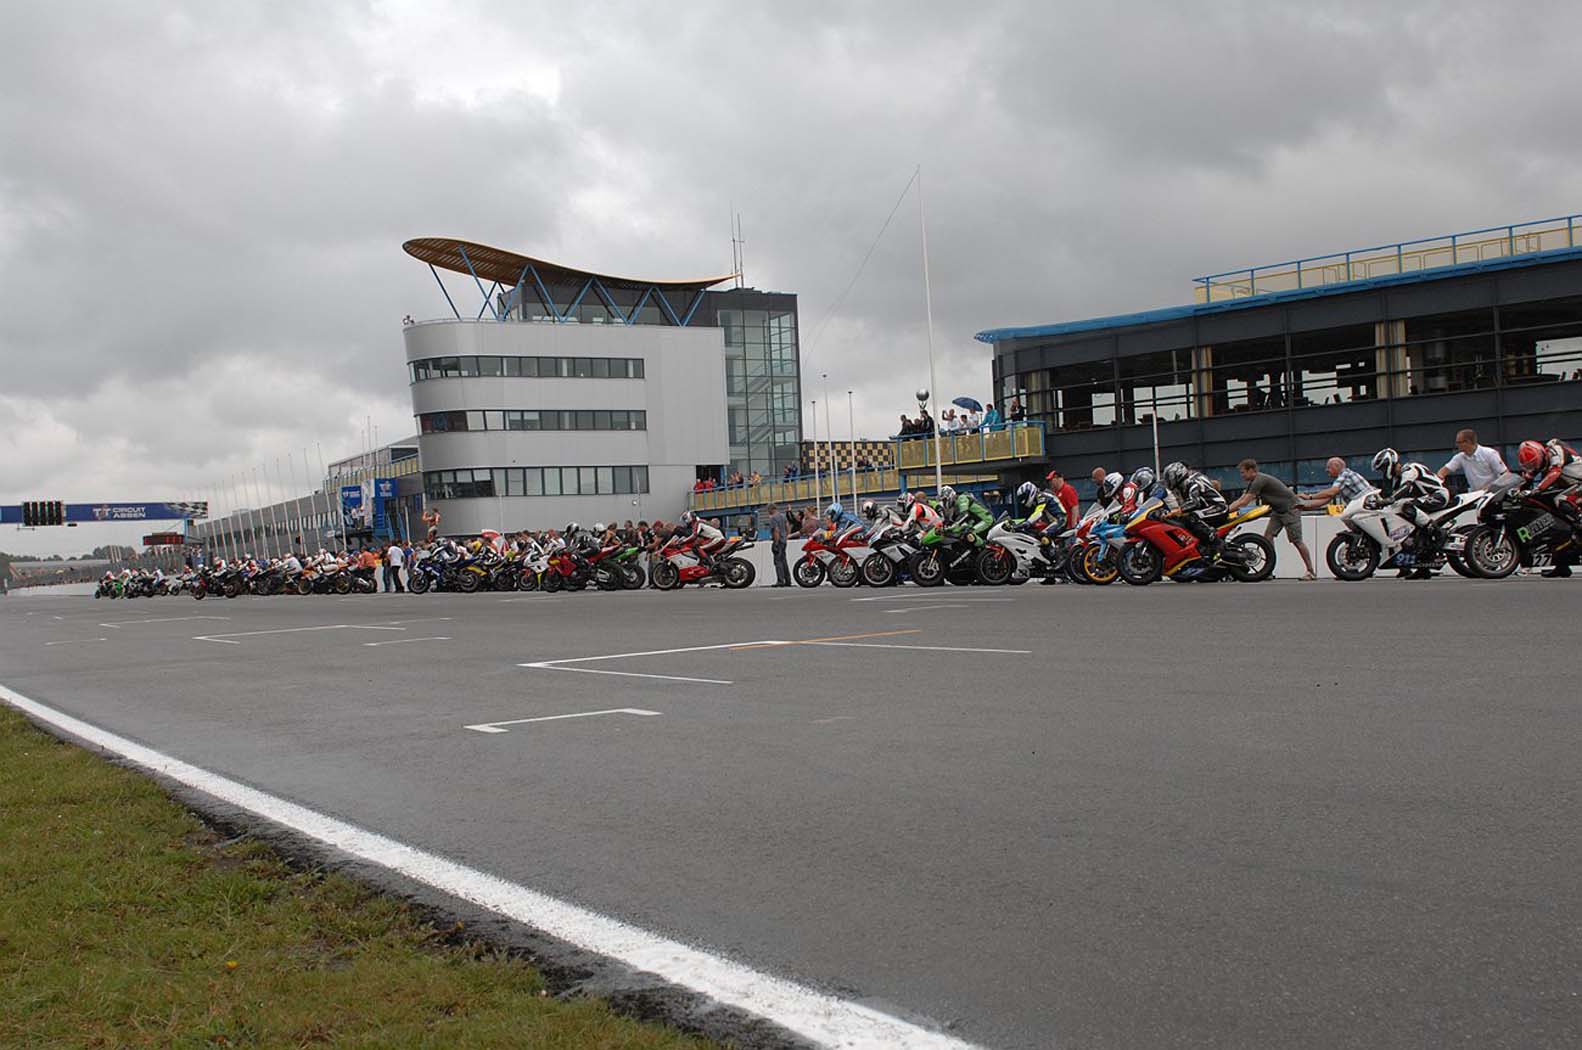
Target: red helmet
1532 457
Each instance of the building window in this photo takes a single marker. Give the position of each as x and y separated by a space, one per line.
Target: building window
488 482
533 419
526 367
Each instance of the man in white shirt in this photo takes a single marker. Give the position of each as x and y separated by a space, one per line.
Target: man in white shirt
394 558
1478 463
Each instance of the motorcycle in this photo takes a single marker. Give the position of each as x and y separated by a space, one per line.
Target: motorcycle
1376 538
1519 528
1161 548
830 559
1095 547
678 563
941 557
893 546
1014 553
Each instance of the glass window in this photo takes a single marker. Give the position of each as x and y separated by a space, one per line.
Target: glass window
639 420
449 367
1085 395
533 481
618 419
483 483
601 420
583 367
474 421
469 366
588 479
1159 382
636 367
530 367
1334 365
1248 376
606 480
640 479
568 480
584 421
601 368
489 366
499 481
513 366
513 482
622 479
493 420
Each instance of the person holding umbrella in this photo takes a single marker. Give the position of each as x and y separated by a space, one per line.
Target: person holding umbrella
971 417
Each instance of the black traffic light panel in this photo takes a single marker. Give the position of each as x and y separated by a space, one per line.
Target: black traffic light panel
36 513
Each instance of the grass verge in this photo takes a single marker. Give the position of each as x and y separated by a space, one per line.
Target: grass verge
124 921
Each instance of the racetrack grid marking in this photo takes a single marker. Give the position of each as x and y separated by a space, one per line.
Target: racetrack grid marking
495 727
75 641
823 1019
224 639
403 641
118 624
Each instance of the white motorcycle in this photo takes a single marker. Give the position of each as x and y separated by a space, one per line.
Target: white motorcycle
892 547
1013 556
1375 537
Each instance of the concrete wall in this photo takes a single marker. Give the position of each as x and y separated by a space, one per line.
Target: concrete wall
683 392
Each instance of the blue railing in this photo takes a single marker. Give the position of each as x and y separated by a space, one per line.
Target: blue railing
1361 264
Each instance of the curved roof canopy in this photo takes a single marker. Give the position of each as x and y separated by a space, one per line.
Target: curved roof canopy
497 264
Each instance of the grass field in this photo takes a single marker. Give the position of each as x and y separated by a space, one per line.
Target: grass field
125 921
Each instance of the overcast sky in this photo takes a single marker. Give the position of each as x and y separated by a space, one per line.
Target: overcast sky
202 205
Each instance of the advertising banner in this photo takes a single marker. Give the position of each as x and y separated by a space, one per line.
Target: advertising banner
384 490
88 513
352 506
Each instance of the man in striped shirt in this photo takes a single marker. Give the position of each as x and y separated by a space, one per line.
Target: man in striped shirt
1348 485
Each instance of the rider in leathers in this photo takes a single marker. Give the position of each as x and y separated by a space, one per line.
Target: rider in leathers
709 539
965 517
1202 507
1413 491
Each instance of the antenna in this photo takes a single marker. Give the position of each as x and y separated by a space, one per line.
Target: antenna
738 253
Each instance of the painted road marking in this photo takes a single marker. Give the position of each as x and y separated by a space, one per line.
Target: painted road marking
814 1015
76 641
922 648
495 727
916 610
422 619
403 641
225 639
118 624
560 665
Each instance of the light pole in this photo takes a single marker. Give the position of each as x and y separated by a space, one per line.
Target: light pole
851 432
818 483
928 301
829 438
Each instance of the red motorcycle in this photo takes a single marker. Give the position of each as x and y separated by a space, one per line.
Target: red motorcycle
1158 547
679 562
831 558
565 570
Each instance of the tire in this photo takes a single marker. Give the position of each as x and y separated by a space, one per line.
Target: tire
199 589
527 581
419 583
808 572
1351 556
927 568
1259 566
233 589
878 571
303 587
1101 565
552 583
468 582
995 565
343 584
738 573
632 578
504 581
664 575
1490 553
1074 568
606 578
845 573
1141 564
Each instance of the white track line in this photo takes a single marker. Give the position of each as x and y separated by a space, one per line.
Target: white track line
224 639
76 641
403 641
558 665
635 674
924 648
163 619
495 727
916 609
813 1015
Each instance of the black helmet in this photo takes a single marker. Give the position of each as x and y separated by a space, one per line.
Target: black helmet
1175 474
1143 478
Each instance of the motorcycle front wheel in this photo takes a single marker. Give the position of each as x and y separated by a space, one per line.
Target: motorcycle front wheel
845 573
1490 553
808 572
665 575
1141 564
927 569
419 583
878 571
1351 556
1100 565
995 565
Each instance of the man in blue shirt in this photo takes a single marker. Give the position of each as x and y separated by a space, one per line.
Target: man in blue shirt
1347 487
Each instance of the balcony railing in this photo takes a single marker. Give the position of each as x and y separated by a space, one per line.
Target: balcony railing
1007 443
1388 260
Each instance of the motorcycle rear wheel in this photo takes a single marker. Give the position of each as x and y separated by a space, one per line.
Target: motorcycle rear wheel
808 572
738 573
1141 564
927 569
845 573
467 582
632 578
606 578
527 581
1351 556
1256 567
1490 553
995 565
551 583
878 571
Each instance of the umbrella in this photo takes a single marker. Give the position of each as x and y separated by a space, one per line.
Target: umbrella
971 404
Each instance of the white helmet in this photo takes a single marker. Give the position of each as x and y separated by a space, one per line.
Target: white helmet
1387 462
869 509
1026 493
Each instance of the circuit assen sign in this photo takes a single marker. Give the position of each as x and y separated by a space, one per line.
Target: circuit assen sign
92 513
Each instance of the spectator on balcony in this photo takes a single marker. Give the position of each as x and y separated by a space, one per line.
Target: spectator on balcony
756 479
991 418
925 423
947 419
1016 413
971 420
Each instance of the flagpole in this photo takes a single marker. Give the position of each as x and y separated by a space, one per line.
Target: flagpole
818 481
851 433
928 301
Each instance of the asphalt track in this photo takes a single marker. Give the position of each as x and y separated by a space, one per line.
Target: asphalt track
1283 815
